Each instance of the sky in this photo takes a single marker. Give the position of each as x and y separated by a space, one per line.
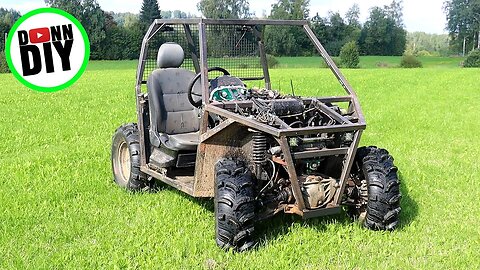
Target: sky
425 15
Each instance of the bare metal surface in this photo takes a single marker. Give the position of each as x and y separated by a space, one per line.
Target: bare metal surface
243 120
297 192
338 117
204 64
316 130
320 153
186 185
247 103
205 136
347 165
233 140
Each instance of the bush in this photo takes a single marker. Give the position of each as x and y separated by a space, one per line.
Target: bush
473 59
350 55
272 61
423 53
336 60
3 63
410 61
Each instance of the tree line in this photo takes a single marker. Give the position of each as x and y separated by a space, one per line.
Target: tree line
463 24
115 36
382 34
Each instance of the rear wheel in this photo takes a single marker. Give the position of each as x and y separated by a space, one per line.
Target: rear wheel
126 159
234 205
376 194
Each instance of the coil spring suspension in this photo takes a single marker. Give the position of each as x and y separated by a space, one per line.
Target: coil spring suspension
259 153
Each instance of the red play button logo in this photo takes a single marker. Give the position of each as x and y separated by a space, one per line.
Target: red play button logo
39 35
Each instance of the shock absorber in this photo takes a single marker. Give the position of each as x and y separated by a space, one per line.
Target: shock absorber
259 152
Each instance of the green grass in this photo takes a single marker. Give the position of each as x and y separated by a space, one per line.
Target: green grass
371 62
61 210
366 62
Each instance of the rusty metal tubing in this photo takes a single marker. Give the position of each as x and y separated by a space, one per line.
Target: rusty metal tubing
204 63
152 30
248 103
210 133
232 21
297 191
167 180
336 116
193 49
320 153
283 132
140 98
347 166
348 88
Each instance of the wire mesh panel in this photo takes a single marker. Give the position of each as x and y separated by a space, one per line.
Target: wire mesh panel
179 34
235 48
232 47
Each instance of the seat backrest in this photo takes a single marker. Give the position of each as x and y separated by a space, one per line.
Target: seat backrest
170 110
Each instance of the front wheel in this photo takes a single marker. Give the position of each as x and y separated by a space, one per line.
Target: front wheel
234 205
126 159
376 190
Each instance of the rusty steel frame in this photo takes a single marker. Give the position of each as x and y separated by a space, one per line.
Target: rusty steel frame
222 109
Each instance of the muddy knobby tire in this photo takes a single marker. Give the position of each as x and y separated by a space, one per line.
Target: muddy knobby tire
234 205
383 204
126 159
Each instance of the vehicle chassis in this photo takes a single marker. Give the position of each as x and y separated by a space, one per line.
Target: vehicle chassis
217 142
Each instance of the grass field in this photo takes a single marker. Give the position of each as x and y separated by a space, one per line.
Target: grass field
61 210
366 62
371 62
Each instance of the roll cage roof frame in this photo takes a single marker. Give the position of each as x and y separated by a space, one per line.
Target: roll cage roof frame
202 66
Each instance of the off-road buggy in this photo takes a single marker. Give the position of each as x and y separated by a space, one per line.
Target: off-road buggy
256 151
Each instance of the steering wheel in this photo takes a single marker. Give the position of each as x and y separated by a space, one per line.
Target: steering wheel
194 80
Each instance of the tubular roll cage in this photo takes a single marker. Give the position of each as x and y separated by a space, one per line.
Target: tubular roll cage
281 135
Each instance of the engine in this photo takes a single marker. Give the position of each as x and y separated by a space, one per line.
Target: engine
317 177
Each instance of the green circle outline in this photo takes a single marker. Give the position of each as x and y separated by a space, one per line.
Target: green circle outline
20 77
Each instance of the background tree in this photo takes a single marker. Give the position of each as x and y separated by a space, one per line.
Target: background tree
118 44
224 9
350 55
353 16
166 14
149 12
424 44
334 31
321 28
395 12
288 40
92 17
178 14
473 59
124 19
463 24
338 33
354 27
8 17
383 32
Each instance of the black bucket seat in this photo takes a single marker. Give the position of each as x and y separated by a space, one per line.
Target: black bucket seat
174 121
